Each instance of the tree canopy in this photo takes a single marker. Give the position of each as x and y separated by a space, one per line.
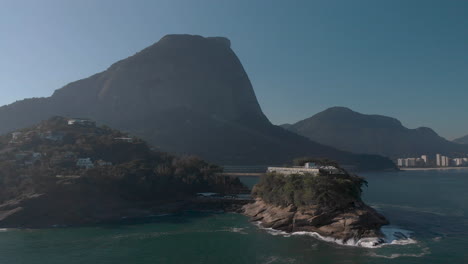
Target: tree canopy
326 191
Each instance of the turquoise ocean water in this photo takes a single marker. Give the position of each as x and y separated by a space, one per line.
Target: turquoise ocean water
430 205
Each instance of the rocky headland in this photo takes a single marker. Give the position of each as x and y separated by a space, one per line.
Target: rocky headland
65 172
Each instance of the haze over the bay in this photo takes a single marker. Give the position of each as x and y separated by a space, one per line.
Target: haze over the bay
405 59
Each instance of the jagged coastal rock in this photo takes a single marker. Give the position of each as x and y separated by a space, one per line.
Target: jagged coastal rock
184 94
322 199
354 223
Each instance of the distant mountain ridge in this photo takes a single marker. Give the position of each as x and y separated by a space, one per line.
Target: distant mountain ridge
187 95
348 130
462 140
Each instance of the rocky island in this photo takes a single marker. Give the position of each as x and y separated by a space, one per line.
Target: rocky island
65 172
326 202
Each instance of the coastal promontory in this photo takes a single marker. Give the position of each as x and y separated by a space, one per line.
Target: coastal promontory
65 172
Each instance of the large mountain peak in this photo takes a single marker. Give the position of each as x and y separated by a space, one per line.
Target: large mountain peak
185 94
190 72
186 39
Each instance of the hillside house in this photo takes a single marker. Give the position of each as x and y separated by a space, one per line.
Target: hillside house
124 139
85 163
36 156
102 163
15 136
27 158
69 155
81 122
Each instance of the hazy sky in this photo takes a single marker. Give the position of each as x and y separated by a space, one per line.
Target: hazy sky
406 59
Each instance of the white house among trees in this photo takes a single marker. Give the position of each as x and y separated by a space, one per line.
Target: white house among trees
85 163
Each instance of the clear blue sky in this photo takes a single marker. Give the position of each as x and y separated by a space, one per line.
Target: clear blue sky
406 59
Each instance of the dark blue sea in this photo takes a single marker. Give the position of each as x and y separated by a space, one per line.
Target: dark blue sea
431 207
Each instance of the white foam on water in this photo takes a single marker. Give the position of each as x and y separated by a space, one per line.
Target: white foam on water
239 230
275 259
393 236
272 231
397 236
367 242
271 260
141 235
427 210
3 229
425 251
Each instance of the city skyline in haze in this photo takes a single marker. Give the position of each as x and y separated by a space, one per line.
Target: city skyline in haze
404 59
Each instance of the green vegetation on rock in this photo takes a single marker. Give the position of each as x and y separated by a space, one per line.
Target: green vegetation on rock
324 191
43 159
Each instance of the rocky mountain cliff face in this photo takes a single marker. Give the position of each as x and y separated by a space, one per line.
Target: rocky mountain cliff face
184 94
345 129
462 140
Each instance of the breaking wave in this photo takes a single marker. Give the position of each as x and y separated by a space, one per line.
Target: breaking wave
425 251
239 230
392 236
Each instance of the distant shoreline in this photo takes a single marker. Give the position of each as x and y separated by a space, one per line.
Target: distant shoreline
256 174
438 168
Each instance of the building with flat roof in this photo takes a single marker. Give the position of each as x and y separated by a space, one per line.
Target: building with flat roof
425 158
438 160
458 162
308 168
299 170
400 162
